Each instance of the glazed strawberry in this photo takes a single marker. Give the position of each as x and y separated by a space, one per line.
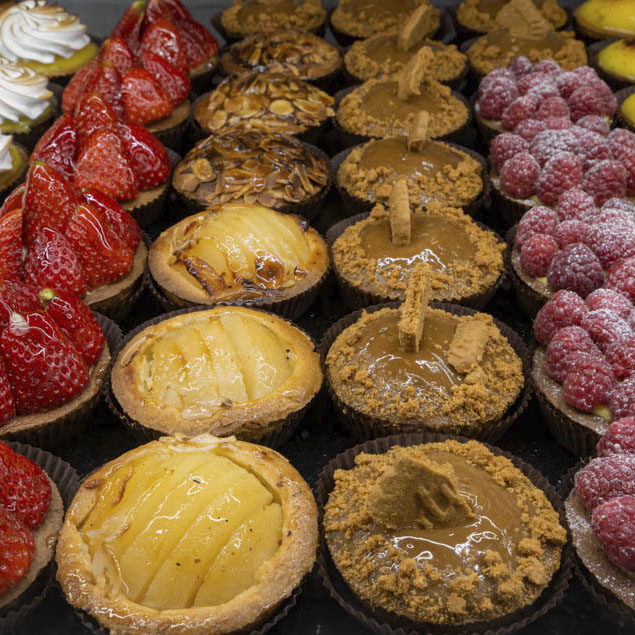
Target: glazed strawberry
52 262
618 439
103 164
148 157
106 82
198 43
155 10
561 349
14 200
588 383
564 309
144 99
118 218
613 524
117 52
622 399
11 245
176 84
93 114
163 38
43 367
76 321
49 201
104 255
57 146
605 478
25 490
75 88
17 297
16 551
173 8
538 220
129 26
7 405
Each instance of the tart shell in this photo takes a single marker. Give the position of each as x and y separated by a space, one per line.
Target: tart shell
614 81
174 136
621 96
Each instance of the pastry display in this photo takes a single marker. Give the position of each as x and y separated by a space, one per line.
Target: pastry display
270 169
217 534
46 38
227 370
13 164
266 102
444 533
599 19
247 17
238 252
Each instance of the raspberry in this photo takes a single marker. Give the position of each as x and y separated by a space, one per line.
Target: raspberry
588 382
586 100
576 204
621 356
564 309
605 326
550 142
543 91
629 165
613 524
616 217
569 232
595 123
496 97
619 203
604 180
491 78
593 147
520 65
532 80
558 123
605 478
622 142
567 83
553 106
631 320
586 73
609 299
561 173
576 268
622 399
529 128
505 146
537 220
621 277
611 243
618 439
566 341
537 253
519 174
548 66
521 108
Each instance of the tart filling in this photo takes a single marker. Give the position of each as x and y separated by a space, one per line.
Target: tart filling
226 370
607 18
199 535
480 15
618 59
445 533
238 252
627 110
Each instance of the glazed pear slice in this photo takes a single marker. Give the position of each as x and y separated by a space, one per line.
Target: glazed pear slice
285 239
178 579
236 567
207 248
177 504
167 363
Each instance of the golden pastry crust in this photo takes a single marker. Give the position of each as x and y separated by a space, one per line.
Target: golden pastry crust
180 113
283 275
279 347
472 15
276 578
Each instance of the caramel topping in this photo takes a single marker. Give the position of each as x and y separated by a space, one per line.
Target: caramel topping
400 214
480 15
467 346
254 16
522 18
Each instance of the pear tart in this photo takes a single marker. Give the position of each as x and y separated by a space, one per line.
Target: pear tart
184 535
235 253
226 370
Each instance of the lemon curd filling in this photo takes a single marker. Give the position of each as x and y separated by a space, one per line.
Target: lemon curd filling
627 109
618 59
612 17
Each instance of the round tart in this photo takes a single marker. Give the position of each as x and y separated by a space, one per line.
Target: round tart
266 102
446 533
626 101
269 169
599 19
248 17
615 61
217 535
14 161
238 253
227 370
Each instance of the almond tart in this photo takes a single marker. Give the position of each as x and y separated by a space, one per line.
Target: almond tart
239 253
198 535
226 370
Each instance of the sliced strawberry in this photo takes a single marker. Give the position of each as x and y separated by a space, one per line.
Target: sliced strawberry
120 220
177 85
129 26
107 83
92 114
116 51
76 321
149 159
25 490
144 99
58 145
43 367
7 405
104 165
200 45
17 297
11 245
17 550
164 39
155 10
49 201
104 255
13 201
51 262
76 87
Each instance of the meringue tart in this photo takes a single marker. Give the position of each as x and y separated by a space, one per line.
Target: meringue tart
198 535
237 252
226 370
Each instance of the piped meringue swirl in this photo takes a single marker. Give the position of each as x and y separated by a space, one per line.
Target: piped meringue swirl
23 92
6 161
37 31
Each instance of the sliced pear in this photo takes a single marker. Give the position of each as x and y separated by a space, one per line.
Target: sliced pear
235 258
206 248
167 364
284 238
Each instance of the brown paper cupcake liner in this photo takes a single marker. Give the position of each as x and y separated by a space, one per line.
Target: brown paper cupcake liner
29 139
356 298
388 624
486 132
67 482
69 428
174 138
604 599
273 435
509 210
593 50
621 96
203 82
363 426
354 205
19 178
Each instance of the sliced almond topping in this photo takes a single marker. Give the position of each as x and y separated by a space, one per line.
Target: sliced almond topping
467 345
415 27
418 133
414 307
281 107
412 74
400 216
